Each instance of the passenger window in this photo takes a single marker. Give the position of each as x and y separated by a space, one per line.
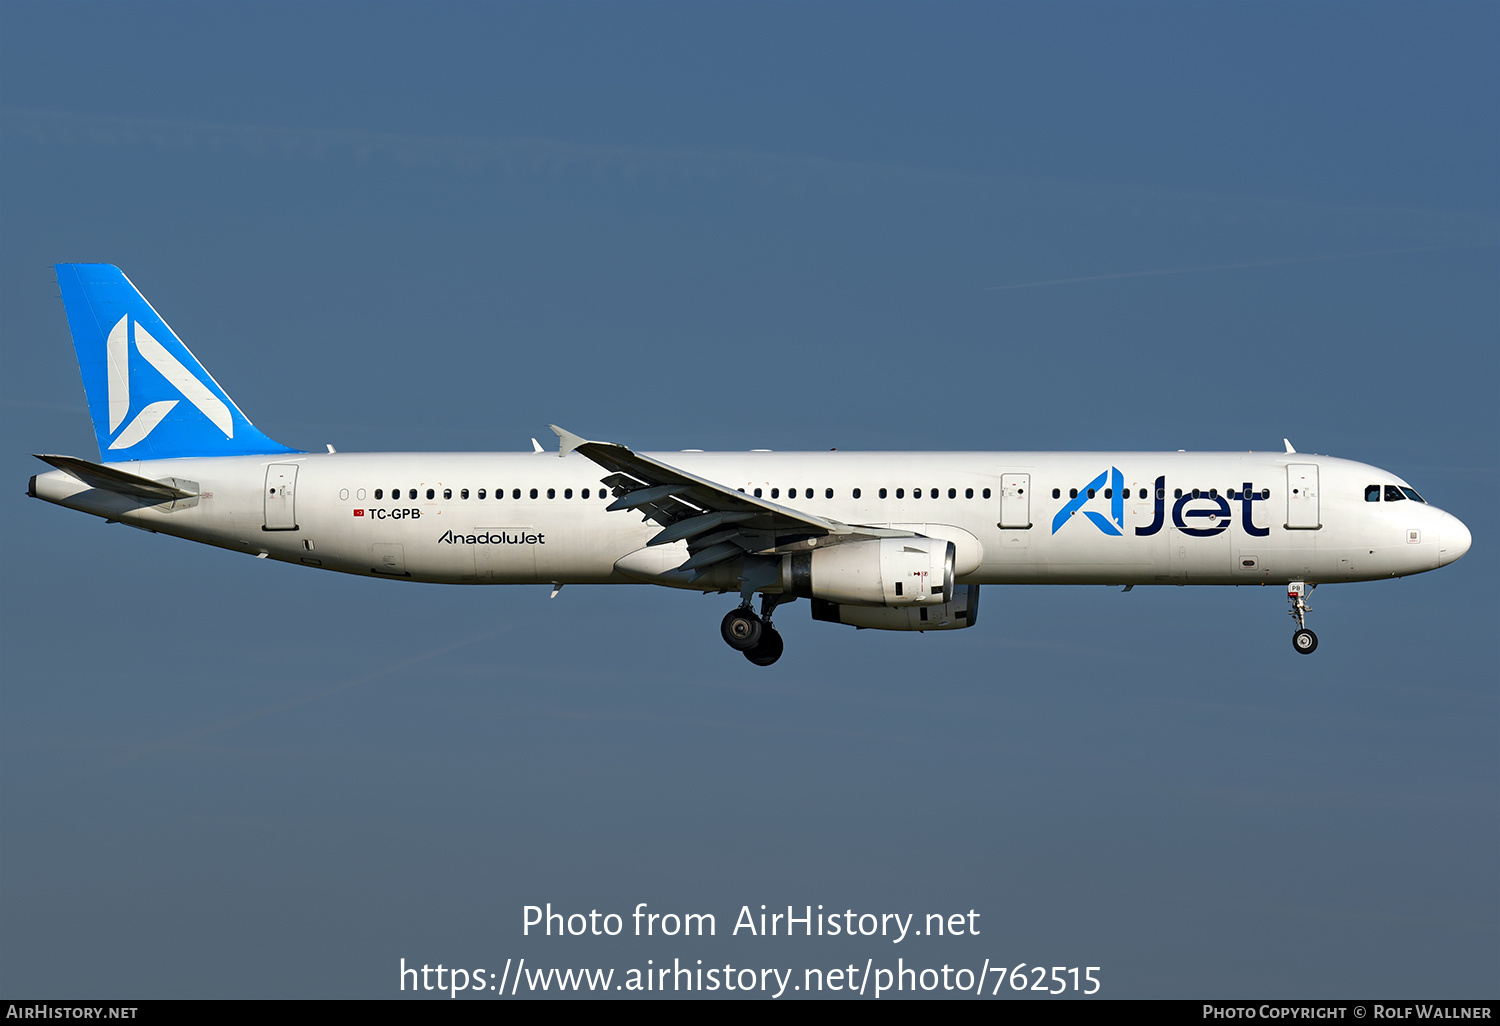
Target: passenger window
567 493
900 493
1265 493
827 493
585 494
551 493
411 493
1393 494
1072 493
1196 493
968 493
447 493
807 494
882 493
986 493
934 494
515 493
463 494
430 493
1057 493
1177 493
1109 493
757 493
1213 493
775 493
1143 493
481 493
1091 493
1372 493
856 493
916 493
533 493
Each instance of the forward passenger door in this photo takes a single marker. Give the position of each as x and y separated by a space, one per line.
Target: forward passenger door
1015 501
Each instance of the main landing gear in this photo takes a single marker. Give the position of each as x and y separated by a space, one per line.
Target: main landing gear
1303 640
753 635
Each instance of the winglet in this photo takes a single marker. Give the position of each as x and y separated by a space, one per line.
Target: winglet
1289 446
567 441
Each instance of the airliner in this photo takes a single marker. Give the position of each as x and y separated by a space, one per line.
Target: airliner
897 541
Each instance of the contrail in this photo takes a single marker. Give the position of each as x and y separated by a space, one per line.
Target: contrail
1227 267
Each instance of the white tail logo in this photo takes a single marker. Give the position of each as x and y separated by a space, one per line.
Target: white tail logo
117 354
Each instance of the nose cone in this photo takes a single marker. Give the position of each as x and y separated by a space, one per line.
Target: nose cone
1453 539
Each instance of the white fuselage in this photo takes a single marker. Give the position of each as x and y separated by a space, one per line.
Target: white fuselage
1011 515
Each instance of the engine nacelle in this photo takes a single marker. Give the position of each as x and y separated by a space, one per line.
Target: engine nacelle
962 611
876 572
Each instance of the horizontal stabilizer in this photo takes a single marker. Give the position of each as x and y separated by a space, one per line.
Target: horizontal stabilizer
111 480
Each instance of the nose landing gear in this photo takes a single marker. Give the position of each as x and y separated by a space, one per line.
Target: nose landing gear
1304 641
753 635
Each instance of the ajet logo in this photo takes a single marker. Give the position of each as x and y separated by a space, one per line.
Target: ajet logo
125 333
1115 525
1208 511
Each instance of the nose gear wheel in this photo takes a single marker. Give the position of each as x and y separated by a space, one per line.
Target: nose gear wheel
1303 640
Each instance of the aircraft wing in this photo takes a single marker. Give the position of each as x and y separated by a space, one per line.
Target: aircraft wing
717 522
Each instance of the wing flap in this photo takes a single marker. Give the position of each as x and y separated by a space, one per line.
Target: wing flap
704 513
652 473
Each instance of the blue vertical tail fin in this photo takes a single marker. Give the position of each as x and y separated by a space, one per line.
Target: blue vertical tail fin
149 397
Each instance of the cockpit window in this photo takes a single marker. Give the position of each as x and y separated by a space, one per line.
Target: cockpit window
1372 493
1393 494
1413 496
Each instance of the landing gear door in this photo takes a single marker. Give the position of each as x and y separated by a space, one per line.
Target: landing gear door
1015 501
281 497
1302 497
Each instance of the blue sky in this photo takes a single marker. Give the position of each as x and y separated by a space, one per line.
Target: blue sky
863 226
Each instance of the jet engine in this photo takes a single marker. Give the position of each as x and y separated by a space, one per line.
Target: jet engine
894 572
